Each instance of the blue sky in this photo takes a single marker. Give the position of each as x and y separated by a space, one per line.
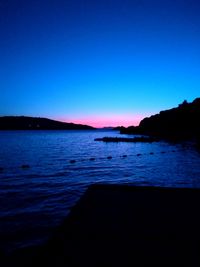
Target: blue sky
106 62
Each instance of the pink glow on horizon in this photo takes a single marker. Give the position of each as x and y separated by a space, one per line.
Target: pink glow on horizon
105 121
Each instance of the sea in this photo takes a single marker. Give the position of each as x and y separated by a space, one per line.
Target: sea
44 173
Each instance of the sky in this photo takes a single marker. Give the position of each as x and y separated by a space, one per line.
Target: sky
98 62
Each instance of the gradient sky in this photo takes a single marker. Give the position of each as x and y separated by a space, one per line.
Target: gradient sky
99 62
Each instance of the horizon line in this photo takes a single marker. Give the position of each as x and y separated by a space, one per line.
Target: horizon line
96 122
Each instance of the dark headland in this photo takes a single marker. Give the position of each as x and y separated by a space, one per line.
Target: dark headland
34 123
121 225
180 123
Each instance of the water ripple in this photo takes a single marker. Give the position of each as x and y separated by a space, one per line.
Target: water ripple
42 195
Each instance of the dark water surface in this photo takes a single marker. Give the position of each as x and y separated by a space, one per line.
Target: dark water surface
33 201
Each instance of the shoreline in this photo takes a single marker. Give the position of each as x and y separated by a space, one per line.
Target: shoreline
115 225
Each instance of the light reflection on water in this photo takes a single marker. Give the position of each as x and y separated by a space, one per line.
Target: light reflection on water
36 199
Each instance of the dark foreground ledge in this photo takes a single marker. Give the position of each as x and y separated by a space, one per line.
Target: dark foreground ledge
116 225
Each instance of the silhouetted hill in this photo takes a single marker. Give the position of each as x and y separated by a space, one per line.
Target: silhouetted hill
182 122
32 123
130 130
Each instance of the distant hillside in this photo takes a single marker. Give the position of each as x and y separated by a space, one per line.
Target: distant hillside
32 123
182 122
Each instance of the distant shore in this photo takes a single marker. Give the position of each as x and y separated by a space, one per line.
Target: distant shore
34 123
